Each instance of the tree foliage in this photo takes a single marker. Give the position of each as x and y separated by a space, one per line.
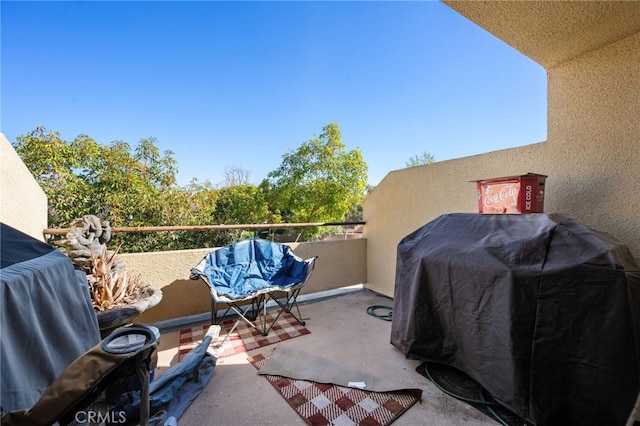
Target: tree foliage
52 162
242 204
129 187
135 186
419 160
320 181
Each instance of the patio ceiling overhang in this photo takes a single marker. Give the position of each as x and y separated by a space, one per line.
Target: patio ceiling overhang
552 32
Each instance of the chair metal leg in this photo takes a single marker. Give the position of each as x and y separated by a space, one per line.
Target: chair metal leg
291 301
265 331
254 314
294 302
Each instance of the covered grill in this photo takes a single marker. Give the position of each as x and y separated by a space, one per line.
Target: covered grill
539 309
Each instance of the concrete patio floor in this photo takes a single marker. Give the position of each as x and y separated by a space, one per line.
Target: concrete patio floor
341 330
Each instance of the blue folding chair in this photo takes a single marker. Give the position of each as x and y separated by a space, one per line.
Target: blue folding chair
246 274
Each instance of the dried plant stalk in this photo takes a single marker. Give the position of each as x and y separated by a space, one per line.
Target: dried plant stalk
110 288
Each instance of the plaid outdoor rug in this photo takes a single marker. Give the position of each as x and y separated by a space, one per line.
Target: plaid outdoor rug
320 404
244 338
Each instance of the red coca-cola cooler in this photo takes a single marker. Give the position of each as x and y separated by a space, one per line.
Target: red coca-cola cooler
511 194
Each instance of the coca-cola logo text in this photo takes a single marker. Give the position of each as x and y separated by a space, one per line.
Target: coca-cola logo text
506 192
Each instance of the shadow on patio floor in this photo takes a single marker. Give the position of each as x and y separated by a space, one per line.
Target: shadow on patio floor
341 330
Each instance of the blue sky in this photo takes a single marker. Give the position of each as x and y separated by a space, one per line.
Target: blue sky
238 84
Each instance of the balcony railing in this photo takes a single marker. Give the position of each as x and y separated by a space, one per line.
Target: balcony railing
248 226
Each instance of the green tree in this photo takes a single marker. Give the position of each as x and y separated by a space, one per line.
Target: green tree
319 182
127 187
241 204
52 162
193 205
136 187
419 160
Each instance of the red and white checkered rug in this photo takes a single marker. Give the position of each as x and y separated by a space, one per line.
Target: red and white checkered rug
244 338
320 404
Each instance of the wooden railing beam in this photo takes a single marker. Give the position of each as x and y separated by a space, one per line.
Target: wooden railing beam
138 229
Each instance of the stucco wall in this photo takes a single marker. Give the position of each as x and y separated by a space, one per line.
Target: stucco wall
339 263
23 204
594 139
409 198
591 159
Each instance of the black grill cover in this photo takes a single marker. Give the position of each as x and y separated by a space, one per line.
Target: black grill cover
538 309
46 317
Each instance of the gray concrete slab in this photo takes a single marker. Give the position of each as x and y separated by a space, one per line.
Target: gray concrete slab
342 331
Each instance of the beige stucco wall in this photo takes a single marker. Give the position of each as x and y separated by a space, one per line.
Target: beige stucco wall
594 139
23 204
591 159
340 263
